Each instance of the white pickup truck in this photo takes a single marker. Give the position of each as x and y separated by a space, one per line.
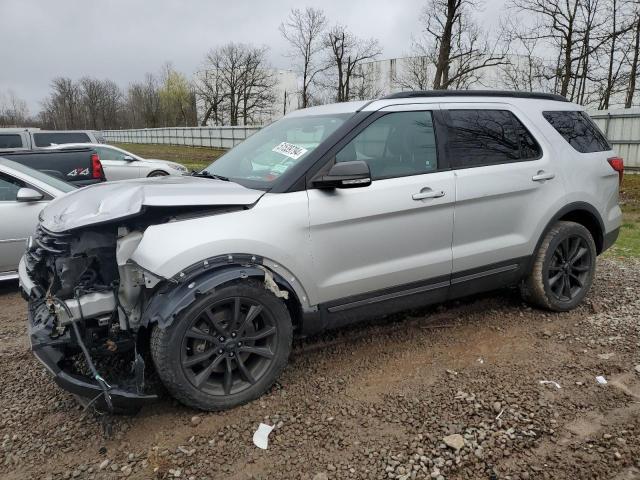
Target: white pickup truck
33 138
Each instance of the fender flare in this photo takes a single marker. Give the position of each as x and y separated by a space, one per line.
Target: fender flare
176 295
570 207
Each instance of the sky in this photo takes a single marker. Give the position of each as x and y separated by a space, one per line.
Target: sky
124 39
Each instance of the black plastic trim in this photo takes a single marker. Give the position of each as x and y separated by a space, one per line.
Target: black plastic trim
387 296
610 238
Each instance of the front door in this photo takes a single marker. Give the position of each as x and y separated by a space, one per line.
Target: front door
395 231
19 221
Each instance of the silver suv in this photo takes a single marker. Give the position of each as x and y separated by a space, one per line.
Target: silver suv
330 215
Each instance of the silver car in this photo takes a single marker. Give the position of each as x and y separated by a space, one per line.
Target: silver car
330 215
24 192
118 164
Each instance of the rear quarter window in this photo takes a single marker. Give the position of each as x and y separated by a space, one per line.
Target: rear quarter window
10 141
578 130
58 138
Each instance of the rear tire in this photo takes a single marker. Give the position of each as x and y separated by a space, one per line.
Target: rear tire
226 348
563 268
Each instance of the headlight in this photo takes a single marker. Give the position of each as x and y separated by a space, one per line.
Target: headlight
180 168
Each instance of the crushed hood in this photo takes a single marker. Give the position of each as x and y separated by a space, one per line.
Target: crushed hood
111 200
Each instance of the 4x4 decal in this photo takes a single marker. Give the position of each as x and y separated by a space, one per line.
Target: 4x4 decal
78 171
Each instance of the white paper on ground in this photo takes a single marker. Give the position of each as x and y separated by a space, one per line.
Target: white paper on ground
550 382
601 380
261 436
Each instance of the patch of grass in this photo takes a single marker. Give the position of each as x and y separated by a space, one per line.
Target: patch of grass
628 244
195 158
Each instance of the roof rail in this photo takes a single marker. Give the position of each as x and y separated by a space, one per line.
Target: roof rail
475 93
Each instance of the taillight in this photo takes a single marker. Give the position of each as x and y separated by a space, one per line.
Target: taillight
96 166
617 163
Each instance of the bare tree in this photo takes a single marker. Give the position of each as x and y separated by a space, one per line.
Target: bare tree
415 72
633 73
347 52
524 68
13 110
236 84
304 29
460 49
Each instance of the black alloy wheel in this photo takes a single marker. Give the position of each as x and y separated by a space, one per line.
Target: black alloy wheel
225 349
569 268
229 346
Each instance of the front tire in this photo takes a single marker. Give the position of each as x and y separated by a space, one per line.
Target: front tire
225 349
563 269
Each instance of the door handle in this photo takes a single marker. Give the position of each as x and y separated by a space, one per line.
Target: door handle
541 176
427 193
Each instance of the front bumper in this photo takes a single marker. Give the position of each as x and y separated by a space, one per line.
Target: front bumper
52 352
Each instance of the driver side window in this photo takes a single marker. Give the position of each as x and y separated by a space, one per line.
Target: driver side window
9 187
109 154
398 144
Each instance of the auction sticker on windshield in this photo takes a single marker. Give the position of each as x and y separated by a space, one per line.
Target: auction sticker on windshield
290 150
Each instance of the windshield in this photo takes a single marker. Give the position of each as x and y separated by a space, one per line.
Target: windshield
262 158
38 175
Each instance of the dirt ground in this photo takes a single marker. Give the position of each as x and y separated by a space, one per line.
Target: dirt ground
373 401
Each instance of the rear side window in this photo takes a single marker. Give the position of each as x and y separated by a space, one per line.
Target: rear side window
10 141
486 137
578 129
58 138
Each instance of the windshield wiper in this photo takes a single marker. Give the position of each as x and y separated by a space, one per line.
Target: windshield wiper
206 174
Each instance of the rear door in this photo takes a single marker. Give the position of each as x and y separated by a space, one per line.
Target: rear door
19 220
396 231
506 185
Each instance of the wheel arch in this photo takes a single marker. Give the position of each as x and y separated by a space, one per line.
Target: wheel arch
584 214
157 171
177 293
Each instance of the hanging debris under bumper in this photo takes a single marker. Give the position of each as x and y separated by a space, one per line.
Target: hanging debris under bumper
54 351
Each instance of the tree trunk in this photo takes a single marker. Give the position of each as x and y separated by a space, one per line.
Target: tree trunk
634 67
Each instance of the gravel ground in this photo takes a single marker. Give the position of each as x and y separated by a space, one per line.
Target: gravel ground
451 392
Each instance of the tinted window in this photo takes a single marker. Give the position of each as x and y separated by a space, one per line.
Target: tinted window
38 175
9 187
485 137
10 141
578 129
396 145
58 138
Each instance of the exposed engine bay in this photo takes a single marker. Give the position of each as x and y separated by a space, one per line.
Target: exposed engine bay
86 302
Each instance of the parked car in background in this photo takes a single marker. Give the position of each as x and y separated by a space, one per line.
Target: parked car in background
118 164
23 193
78 165
327 216
33 138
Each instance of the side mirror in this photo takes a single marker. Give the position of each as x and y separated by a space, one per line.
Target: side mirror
128 158
28 195
346 175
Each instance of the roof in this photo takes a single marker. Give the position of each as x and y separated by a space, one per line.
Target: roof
476 93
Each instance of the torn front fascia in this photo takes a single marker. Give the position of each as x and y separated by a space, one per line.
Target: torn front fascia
56 348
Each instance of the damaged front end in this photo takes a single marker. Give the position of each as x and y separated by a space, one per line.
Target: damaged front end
85 304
